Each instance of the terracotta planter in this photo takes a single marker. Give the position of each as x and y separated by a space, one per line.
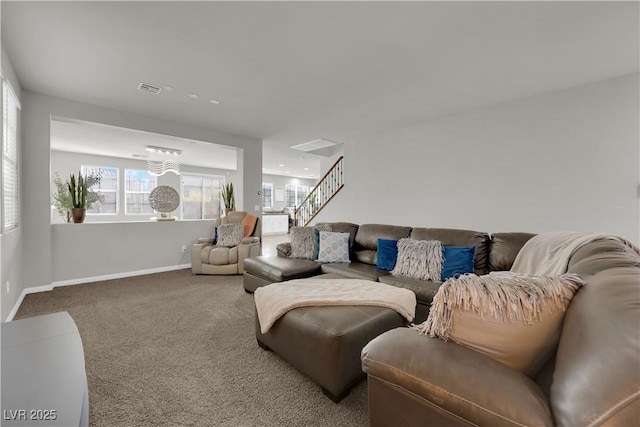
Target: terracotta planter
78 215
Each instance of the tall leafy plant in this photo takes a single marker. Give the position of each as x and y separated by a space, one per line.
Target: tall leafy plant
228 197
74 193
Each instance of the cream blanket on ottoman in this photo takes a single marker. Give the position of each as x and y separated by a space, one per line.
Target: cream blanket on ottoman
273 301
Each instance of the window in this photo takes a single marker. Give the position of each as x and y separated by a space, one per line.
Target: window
10 118
267 195
295 194
137 187
201 196
108 188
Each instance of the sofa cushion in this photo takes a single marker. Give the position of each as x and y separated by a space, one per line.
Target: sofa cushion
600 255
334 247
419 259
457 260
387 254
354 270
455 237
514 319
504 248
366 242
343 227
425 290
277 269
230 235
223 256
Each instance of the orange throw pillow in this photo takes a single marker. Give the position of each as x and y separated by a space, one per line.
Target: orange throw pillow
249 222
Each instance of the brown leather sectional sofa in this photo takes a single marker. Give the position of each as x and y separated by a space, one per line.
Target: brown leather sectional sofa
414 380
493 253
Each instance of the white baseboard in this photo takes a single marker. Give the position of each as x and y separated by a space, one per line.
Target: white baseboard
118 275
71 282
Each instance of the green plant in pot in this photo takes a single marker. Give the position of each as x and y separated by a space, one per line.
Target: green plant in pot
74 196
228 198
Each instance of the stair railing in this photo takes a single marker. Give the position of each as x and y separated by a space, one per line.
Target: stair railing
322 193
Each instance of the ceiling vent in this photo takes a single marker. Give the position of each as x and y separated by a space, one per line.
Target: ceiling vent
146 87
316 144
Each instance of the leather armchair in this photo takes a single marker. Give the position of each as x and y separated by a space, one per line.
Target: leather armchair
206 258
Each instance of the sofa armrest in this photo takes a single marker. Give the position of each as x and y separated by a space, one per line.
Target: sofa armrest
456 379
284 249
247 250
250 240
196 262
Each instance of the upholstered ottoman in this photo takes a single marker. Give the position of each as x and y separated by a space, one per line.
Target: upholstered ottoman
325 342
264 270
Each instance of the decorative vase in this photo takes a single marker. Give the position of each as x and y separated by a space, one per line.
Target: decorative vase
78 215
227 210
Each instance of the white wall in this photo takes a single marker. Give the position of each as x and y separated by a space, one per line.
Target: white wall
65 163
120 244
566 160
11 241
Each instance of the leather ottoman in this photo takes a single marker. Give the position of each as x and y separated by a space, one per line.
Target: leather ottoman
264 270
325 342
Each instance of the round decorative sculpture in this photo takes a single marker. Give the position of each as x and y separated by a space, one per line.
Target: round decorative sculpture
164 199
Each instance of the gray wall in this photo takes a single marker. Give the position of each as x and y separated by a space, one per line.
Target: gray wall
39 239
565 160
65 163
11 242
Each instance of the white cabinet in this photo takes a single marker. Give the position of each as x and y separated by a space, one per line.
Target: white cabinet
275 224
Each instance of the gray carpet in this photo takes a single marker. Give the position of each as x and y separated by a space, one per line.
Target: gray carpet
178 349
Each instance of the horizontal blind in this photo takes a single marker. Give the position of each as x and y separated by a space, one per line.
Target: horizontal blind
11 108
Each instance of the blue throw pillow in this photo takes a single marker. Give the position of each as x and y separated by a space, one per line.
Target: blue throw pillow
387 254
457 260
215 235
316 244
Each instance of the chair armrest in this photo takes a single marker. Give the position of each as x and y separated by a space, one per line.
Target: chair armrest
205 240
457 379
249 240
284 249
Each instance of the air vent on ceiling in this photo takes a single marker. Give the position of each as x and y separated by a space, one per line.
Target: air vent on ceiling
316 144
146 87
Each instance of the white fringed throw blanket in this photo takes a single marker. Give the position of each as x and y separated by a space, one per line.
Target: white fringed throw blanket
273 301
548 254
505 297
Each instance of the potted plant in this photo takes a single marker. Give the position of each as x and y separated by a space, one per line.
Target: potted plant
228 198
73 197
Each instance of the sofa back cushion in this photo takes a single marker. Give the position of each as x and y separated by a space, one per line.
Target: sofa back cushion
597 374
504 248
600 255
343 227
455 237
365 246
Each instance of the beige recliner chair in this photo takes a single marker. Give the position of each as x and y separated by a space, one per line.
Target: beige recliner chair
207 258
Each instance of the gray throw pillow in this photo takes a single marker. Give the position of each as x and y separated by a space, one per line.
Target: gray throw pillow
304 242
419 259
230 235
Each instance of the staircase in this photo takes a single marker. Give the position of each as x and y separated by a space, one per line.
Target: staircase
322 193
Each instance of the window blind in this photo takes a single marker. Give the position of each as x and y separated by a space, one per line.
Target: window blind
10 116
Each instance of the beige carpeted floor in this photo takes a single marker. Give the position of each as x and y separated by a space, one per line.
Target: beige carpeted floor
178 349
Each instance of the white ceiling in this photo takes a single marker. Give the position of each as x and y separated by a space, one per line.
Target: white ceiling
291 72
